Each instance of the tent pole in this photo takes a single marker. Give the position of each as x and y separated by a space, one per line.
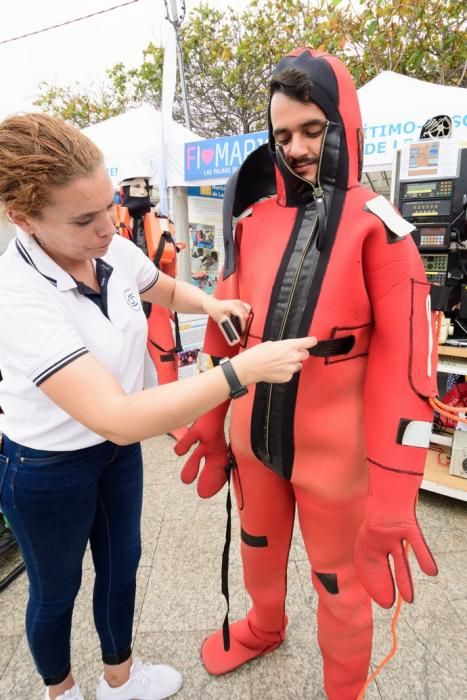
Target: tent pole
179 206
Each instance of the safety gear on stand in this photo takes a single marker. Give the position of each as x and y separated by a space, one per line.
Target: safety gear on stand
156 236
139 205
132 168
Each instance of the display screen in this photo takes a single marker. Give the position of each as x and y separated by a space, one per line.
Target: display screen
432 230
427 190
426 208
420 188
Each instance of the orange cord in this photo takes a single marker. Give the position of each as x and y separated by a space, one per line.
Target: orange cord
441 452
437 326
393 650
439 406
448 411
447 407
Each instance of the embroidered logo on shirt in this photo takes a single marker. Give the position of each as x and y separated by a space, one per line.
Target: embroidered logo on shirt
132 299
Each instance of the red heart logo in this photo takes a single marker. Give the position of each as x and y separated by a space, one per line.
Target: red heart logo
207 154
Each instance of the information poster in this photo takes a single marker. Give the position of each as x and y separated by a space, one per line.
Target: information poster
206 257
206 240
192 330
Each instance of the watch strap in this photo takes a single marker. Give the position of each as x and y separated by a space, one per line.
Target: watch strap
237 389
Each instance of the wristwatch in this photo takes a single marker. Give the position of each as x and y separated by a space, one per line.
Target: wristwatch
237 389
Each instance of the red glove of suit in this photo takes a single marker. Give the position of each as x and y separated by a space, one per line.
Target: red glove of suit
209 432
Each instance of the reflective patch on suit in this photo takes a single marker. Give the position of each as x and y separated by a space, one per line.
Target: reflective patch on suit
254 540
422 349
414 433
329 581
396 226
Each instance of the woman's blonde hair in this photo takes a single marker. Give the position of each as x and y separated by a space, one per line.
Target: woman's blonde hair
39 152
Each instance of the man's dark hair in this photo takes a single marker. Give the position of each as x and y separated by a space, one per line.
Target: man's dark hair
293 83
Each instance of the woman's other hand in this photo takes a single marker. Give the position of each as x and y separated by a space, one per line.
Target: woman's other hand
219 309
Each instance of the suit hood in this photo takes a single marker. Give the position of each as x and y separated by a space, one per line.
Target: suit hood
265 171
333 90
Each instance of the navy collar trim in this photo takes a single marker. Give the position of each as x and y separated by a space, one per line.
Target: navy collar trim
27 258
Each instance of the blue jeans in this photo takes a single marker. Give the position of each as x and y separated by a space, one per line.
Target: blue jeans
55 503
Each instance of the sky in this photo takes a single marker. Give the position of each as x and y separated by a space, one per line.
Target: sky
79 52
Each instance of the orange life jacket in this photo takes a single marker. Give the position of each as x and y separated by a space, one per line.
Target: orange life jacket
159 236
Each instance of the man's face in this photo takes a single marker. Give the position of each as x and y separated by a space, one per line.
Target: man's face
298 128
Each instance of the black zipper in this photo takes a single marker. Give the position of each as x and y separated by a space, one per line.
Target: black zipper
284 322
318 194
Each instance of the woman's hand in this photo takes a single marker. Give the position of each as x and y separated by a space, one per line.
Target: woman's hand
273 361
219 309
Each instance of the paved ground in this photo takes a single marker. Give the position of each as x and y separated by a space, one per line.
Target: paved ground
179 602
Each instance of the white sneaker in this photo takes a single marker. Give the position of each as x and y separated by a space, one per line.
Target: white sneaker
146 682
73 694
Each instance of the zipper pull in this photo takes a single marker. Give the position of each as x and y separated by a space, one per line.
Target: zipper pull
318 192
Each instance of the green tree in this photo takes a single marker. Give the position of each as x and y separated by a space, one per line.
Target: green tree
423 39
229 57
142 84
78 106
125 88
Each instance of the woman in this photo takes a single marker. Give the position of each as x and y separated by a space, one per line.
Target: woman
73 337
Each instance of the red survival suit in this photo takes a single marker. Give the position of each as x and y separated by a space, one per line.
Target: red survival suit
157 236
345 440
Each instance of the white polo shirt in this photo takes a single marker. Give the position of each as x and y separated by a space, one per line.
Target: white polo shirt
47 321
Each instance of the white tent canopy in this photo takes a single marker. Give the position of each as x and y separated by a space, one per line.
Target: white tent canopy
394 108
136 134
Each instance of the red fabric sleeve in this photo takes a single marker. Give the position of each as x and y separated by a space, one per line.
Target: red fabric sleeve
401 372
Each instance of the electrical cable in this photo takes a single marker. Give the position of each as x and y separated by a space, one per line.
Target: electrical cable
450 412
392 652
70 21
462 211
458 323
441 451
444 409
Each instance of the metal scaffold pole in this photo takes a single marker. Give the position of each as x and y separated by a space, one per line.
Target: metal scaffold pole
176 18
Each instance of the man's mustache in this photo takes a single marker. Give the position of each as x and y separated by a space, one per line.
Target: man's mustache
302 161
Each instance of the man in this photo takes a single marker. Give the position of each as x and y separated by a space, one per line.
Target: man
345 441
